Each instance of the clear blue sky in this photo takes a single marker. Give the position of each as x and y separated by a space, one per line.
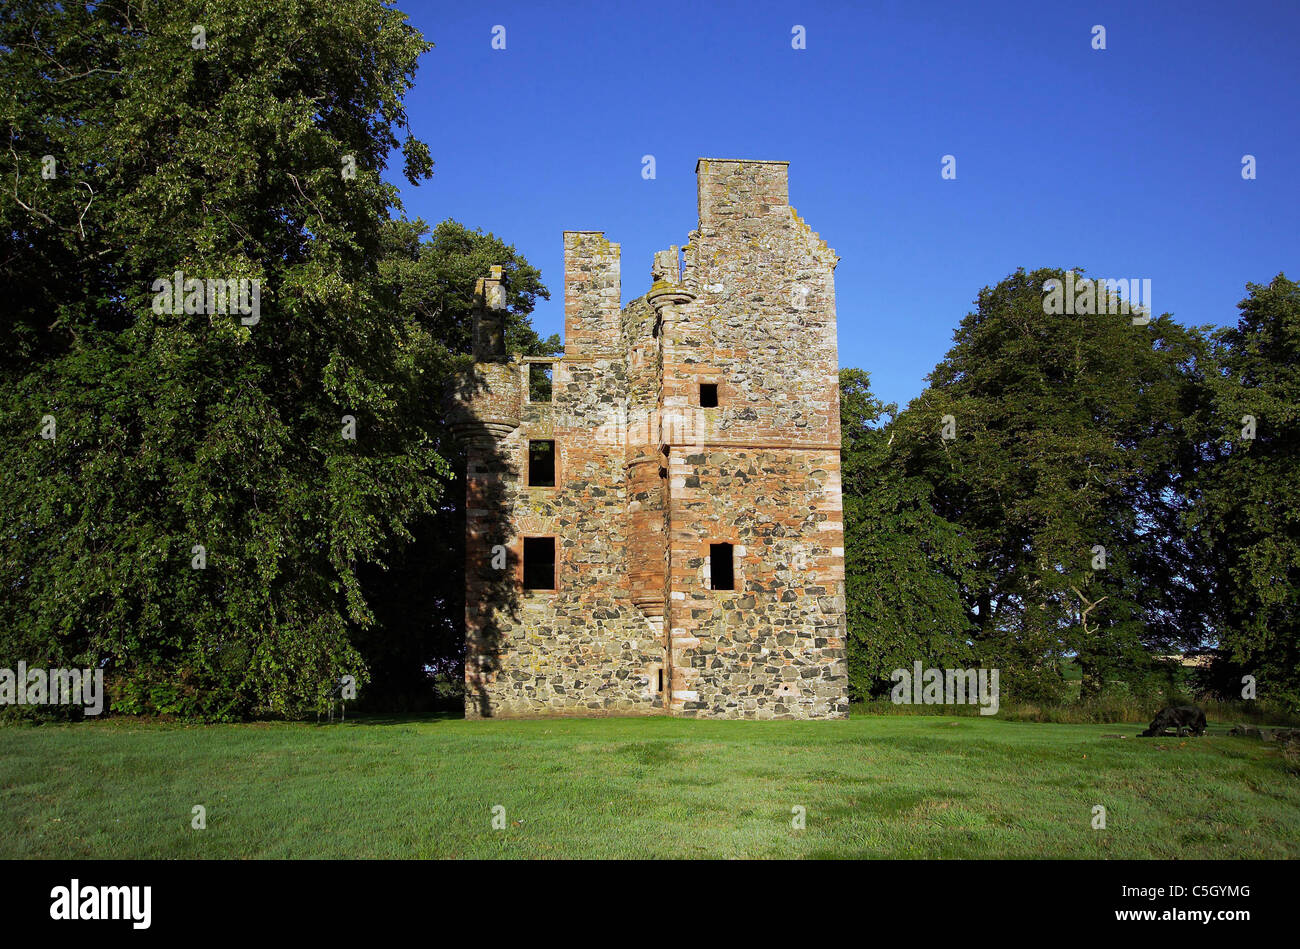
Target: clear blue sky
1126 162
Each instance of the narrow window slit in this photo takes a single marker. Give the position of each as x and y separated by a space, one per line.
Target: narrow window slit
722 573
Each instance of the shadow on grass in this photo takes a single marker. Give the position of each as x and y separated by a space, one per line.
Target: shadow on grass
382 718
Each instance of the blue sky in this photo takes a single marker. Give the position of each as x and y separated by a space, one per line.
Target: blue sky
1124 161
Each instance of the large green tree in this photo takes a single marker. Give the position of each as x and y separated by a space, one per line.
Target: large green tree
1054 440
417 645
904 564
433 275
235 140
1249 504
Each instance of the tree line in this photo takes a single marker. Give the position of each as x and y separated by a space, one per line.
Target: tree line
226 515
1091 488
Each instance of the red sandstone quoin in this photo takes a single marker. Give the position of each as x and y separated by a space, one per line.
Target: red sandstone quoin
659 530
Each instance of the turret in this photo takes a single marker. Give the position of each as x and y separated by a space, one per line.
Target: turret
485 402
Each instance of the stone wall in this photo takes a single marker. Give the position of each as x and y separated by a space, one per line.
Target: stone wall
761 470
774 646
583 648
592 295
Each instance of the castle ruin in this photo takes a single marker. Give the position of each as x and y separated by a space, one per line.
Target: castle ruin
654 522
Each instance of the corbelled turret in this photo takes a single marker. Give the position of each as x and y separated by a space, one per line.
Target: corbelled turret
485 403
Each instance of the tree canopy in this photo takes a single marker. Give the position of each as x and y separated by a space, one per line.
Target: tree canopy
904 563
1093 466
188 496
1249 493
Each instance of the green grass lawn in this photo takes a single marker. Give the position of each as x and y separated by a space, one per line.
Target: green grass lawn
889 786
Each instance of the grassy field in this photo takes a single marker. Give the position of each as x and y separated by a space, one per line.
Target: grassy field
871 786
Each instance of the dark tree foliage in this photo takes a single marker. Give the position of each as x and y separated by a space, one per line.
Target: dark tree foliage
214 139
1071 437
904 564
433 275
1249 504
415 651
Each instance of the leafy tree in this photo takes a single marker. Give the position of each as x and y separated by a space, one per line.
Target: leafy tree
417 645
1069 440
235 140
433 276
1249 508
904 563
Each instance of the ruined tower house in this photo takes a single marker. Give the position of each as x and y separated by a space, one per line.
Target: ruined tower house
654 522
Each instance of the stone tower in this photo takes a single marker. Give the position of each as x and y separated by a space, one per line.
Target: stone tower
654 522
